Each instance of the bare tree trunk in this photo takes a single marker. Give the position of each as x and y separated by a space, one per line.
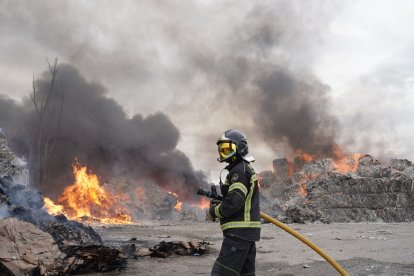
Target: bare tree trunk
47 135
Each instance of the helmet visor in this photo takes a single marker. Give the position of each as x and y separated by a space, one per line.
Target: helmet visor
226 150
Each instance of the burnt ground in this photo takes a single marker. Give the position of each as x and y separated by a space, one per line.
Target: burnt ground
362 249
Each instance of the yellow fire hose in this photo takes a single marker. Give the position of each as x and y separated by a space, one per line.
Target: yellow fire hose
305 241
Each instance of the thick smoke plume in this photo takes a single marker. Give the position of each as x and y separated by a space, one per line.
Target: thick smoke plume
80 122
294 111
258 88
209 65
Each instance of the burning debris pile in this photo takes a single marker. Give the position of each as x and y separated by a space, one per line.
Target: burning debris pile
87 200
120 202
134 169
355 188
34 242
41 237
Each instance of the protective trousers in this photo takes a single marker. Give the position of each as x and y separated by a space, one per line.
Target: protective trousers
237 257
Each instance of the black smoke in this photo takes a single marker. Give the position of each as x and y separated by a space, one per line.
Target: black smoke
259 91
294 111
210 67
81 122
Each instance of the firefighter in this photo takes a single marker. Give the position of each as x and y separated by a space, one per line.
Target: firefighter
239 212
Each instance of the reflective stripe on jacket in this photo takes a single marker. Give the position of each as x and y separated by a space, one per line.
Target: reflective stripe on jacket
239 211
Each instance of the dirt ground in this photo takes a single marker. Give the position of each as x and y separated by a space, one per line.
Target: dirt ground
362 249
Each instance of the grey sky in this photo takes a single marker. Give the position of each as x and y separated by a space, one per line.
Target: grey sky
198 61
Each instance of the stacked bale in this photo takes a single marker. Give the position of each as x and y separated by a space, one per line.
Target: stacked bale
368 192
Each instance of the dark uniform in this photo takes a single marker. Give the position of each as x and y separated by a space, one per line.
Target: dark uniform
239 214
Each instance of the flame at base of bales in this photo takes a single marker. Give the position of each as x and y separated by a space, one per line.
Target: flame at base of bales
87 200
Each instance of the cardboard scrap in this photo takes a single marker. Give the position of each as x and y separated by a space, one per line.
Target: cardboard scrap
25 248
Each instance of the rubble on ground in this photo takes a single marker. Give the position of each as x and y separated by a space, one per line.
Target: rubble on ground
78 247
165 249
26 249
67 232
81 259
319 191
11 165
32 242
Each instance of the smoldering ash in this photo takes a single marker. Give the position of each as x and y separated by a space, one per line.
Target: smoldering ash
80 122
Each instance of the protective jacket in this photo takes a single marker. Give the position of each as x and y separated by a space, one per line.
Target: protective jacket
239 212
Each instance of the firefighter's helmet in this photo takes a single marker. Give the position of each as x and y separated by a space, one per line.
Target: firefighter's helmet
233 144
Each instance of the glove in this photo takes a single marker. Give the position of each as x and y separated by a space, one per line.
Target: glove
209 216
214 202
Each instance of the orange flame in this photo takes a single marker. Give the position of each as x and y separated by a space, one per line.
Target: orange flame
343 163
87 199
204 203
52 208
337 152
305 156
179 205
302 191
346 165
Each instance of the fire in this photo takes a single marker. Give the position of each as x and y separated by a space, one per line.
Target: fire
346 165
338 153
179 205
52 208
343 163
302 190
305 156
86 198
204 203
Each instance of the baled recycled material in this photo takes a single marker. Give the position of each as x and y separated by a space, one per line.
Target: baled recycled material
24 248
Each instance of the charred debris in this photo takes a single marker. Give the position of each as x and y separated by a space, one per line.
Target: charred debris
32 242
36 243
